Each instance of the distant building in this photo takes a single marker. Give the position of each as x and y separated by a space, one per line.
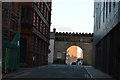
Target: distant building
51 47
107 37
35 32
64 40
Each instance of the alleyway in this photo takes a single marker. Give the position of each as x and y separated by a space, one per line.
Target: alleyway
54 71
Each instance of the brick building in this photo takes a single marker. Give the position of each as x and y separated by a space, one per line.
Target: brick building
10 20
35 32
11 13
107 37
26 24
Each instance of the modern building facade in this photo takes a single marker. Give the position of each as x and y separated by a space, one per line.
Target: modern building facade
35 32
107 37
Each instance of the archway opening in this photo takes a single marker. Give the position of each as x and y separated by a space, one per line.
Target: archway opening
73 54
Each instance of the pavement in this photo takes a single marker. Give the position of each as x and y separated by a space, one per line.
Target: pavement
97 74
60 71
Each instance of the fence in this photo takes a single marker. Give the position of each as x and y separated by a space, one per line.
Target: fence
10 54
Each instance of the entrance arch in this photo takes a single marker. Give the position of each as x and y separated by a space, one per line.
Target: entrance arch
73 53
64 40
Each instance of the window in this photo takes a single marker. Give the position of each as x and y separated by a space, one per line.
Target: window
41 26
114 3
34 16
42 7
106 8
47 16
26 15
110 6
44 29
37 21
23 14
103 10
38 4
44 11
34 13
34 22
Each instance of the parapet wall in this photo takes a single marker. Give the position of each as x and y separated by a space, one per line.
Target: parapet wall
73 34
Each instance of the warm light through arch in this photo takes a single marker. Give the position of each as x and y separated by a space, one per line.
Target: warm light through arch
73 53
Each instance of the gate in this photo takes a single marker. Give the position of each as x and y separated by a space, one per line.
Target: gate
10 54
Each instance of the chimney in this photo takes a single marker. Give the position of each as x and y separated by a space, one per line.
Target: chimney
54 30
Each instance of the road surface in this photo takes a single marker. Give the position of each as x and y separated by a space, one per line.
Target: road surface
56 71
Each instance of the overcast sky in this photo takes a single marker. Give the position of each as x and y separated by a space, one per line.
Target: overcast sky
72 15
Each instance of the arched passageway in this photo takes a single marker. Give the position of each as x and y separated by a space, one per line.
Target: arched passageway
65 40
73 53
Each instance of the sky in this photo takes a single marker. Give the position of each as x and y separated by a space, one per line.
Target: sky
72 15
